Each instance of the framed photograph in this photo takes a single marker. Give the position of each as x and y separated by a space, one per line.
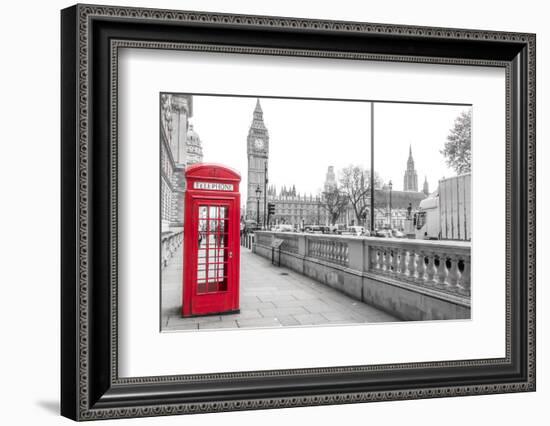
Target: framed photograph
264 212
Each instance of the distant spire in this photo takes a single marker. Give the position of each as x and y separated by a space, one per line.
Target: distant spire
258 106
410 182
257 128
410 160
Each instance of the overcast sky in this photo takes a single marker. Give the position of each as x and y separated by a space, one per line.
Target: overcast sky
306 136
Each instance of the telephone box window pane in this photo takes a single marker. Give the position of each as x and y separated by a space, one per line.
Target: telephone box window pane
203 211
212 268
214 212
223 242
219 256
221 271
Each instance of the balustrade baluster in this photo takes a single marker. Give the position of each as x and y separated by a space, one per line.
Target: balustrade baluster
465 277
394 263
373 258
344 254
453 272
381 259
420 267
412 261
387 259
403 261
430 269
442 271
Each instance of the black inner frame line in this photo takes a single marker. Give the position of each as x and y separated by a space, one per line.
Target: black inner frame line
305 98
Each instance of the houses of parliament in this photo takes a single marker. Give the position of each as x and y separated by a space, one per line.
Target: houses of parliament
299 209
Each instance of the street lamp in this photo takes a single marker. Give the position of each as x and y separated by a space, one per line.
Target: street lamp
390 185
258 194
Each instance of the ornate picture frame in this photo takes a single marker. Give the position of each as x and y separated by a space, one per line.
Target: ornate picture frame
91 37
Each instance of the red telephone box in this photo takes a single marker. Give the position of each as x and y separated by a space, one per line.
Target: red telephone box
211 250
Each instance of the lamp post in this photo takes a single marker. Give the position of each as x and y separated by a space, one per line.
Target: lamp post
318 210
390 185
258 194
265 195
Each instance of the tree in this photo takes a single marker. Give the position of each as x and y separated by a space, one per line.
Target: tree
355 184
457 149
334 202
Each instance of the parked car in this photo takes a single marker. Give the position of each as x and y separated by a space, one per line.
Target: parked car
317 229
383 233
396 233
357 230
284 227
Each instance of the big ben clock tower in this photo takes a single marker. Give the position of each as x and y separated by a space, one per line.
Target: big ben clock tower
258 153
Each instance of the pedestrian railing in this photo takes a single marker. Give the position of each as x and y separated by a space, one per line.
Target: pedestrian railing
441 265
170 242
329 249
438 265
290 244
247 240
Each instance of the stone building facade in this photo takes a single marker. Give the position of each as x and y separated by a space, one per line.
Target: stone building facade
180 145
294 208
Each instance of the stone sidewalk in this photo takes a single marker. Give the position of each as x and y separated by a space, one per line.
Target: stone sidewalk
270 297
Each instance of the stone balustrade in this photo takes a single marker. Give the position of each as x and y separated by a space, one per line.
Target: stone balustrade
377 270
291 244
441 265
329 249
170 242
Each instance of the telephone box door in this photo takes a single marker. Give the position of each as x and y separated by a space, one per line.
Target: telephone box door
211 245
213 283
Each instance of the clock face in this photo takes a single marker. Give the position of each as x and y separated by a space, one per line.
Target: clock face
259 144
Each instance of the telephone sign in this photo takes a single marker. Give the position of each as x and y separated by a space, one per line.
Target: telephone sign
211 254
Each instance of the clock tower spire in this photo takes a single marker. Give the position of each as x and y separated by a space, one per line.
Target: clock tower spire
258 155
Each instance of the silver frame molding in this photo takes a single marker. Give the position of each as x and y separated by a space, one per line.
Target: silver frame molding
91 39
